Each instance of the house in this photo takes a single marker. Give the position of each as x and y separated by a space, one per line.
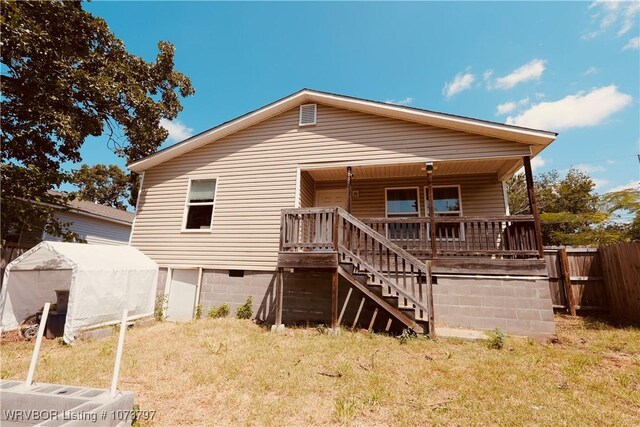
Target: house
93 222
333 209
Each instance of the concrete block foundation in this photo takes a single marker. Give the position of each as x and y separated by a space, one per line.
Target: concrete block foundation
515 305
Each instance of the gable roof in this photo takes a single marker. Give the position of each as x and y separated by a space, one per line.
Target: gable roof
524 135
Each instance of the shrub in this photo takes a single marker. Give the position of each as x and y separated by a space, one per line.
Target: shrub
407 334
160 307
218 312
198 311
245 311
495 340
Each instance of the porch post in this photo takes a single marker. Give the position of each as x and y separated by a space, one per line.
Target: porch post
334 301
334 277
279 288
432 216
349 177
533 205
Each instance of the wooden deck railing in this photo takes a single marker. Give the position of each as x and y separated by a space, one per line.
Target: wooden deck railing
507 236
312 229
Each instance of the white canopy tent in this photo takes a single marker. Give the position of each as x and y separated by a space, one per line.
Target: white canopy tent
102 281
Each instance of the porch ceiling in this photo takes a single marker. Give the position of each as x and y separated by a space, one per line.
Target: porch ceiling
488 166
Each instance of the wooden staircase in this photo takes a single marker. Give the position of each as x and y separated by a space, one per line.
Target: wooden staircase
387 275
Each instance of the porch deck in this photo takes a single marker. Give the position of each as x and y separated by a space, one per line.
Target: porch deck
473 245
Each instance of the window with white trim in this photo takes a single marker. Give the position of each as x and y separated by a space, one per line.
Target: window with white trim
446 202
200 200
402 203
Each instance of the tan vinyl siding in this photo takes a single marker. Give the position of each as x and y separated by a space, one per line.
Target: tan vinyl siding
256 170
481 194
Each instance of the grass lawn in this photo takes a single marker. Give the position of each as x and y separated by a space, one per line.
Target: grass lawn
221 372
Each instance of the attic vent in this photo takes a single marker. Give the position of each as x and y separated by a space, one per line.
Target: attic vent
308 114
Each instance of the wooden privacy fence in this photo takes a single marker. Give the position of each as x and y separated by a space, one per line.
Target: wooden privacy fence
575 279
621 269
606 278
11 251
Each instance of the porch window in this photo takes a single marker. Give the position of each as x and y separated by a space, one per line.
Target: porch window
446 203
402 203
199 208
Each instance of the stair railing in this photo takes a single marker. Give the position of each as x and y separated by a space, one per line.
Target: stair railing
396 269
335 230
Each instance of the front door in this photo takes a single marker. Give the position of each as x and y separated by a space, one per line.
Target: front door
182 295
331 197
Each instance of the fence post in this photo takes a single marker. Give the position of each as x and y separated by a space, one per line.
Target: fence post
565 274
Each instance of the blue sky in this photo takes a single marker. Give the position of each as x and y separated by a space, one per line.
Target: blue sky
568 67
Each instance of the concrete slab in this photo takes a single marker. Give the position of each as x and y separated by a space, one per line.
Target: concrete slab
467 334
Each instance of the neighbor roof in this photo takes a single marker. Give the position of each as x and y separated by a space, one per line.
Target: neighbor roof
537 137
99 211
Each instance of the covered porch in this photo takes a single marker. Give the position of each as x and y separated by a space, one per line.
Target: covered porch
391 231
433 210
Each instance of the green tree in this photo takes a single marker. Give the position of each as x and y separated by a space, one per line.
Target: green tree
107 185
66 77
571 212
625 201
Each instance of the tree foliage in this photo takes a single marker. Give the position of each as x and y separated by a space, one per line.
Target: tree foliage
66 77
107 185
572 213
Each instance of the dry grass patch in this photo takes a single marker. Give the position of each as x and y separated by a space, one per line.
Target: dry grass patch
224 371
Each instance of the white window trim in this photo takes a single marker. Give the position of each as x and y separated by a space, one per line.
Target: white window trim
426 209
185 211
315 115
409 214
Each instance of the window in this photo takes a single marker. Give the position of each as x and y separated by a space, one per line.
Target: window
446 202
199 209
402 202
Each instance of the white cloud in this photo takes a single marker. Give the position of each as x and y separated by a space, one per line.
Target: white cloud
460 83
590 71
629 18
608 13
537 162
610 162
511 106
589 168
630 184
579 110
506 108
634 43
406 101
530 71
178 131
487 75
599 183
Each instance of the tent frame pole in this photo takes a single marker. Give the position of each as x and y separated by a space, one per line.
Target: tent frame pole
36 349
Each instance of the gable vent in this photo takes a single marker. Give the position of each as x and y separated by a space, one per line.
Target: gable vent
308 114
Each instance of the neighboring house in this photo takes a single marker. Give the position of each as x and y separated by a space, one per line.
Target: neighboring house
93 222
260 206
96 223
